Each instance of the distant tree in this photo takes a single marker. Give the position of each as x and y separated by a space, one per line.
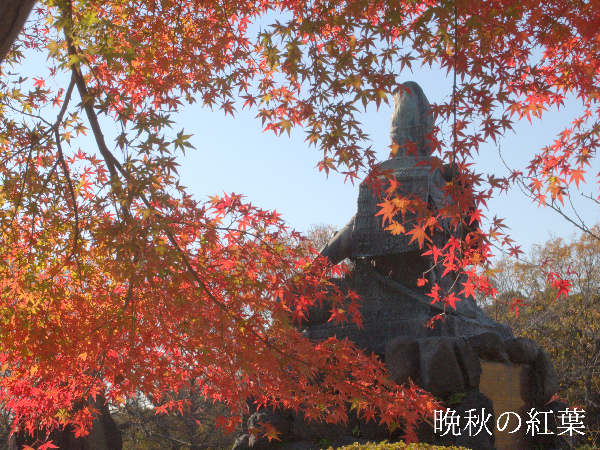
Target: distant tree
567 327
193 429
319 235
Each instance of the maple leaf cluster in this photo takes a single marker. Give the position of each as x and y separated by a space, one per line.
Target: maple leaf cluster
115 281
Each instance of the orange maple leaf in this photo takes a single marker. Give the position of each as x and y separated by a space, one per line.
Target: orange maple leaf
418 234
270 432
396 228
388 211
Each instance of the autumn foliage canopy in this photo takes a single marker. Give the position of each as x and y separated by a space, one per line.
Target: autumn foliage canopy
116 281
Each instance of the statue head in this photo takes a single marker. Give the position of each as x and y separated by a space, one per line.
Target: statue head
412 121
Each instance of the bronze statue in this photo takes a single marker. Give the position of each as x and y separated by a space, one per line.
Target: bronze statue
464 352
364 236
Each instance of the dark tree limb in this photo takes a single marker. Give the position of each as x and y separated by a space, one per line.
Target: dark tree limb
13 14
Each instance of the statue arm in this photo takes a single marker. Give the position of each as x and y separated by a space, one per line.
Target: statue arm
339 246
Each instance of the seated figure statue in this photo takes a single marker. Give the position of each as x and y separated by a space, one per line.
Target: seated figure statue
364 237
461 355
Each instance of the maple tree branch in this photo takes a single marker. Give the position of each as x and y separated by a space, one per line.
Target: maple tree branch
88 106
23 184
59 117
589 197
37 140
574 209
115 167
65 104
87 101
55 127
527 192
454 136
583 227
65 169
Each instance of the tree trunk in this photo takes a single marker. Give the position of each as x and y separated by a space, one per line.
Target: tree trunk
13 14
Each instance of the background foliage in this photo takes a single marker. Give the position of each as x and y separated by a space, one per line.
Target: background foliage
568 328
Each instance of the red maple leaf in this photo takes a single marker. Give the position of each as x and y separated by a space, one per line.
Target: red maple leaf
435 251
468 289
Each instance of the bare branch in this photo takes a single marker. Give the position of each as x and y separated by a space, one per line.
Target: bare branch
526 190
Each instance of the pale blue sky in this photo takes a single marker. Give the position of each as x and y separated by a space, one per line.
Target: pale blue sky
234 155
279 172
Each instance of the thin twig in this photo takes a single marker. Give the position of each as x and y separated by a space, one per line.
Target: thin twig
527 192
65 169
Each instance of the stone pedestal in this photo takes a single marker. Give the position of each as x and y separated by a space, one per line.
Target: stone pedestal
467 361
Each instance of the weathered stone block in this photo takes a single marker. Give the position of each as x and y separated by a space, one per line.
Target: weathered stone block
440 372
489 346
402 359
521 350
476 437
469 362
543 379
